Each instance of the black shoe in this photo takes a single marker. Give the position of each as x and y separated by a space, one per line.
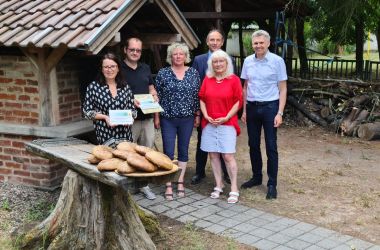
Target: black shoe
251 183
227 179
272 193
196 179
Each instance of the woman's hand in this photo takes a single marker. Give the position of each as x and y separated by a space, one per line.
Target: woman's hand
221 120
244 117
156 121
108 121
197 121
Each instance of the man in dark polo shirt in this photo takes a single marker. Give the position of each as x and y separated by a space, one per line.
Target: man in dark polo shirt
139 78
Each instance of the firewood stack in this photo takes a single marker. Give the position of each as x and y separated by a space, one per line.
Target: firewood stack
350 107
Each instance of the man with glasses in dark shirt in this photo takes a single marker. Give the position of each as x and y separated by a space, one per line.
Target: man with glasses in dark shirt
139 77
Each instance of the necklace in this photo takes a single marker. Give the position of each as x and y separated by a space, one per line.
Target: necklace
219 80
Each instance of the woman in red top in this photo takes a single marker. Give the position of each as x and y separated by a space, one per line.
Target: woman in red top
220 99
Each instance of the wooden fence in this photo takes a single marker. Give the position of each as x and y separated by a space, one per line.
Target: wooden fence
328 68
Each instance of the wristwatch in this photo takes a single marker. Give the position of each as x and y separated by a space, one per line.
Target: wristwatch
280 113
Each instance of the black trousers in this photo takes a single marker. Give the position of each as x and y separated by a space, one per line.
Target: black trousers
201 157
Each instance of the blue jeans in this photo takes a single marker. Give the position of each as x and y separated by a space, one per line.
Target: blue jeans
261 115
170 129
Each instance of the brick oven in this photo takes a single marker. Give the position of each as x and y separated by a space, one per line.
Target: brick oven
47 52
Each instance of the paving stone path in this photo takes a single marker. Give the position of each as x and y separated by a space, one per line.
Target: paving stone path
249 225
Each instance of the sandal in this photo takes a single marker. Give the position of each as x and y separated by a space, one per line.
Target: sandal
216 193
168 196
180 192
234 198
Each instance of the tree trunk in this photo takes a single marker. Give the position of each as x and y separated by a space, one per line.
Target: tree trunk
352 120
90 215
359 35
301 46
369 131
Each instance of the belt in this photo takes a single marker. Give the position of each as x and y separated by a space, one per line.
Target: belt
256 103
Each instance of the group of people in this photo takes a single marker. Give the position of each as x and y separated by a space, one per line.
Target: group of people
208 96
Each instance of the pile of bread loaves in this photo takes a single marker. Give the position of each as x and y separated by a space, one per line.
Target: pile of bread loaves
128 158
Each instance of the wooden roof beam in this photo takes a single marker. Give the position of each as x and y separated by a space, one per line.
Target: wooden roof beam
262 14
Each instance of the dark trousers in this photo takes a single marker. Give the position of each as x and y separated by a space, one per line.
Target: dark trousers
180 128
261 115
201 157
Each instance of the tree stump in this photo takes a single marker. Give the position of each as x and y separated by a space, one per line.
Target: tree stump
90 215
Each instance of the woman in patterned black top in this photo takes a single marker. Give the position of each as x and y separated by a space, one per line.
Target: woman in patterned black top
177 87
109 92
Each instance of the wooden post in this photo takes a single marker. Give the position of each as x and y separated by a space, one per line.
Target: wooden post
218 8
45 61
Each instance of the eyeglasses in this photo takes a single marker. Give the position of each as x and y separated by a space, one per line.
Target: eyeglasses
113 67
134 50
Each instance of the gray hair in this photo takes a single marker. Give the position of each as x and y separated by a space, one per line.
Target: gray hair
261 33
219 54
180 46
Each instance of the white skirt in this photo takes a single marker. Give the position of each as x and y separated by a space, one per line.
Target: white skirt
218 139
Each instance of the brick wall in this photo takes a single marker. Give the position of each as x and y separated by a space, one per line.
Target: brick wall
68 71
20 167
19 104
19 99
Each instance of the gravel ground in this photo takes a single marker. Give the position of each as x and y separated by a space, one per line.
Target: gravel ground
20 204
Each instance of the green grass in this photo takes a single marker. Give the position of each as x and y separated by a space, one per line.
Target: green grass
39 211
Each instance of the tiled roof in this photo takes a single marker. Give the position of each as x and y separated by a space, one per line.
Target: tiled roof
73 23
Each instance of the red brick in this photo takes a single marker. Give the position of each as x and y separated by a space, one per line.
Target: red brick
21 113
71 98
28 74
32 182
30 106
12 105
24 98
32 121
14 89
34 114
31 90
33 168
5 171
20 82
18 144
13 164
1 178
7 97
5 80
12 151
21 159
21 173
5 157
5 143
32 82
44 175
39 161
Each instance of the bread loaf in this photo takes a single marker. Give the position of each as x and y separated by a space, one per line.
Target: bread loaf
102 152
159 159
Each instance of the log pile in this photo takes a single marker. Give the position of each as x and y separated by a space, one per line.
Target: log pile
349 107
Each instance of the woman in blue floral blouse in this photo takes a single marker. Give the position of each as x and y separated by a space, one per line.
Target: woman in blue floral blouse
177 87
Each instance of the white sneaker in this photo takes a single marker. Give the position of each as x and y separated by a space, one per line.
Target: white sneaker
148 193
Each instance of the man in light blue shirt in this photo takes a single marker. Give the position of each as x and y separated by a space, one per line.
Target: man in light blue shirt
264 94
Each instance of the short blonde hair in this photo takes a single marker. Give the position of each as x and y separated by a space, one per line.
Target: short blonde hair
180 46
219 54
